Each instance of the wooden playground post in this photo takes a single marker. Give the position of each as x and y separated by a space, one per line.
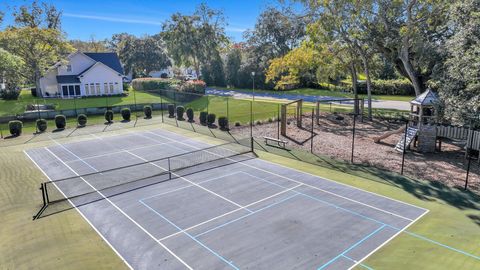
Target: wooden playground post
283 129
299 113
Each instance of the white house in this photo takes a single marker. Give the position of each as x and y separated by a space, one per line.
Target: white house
84 74
188 73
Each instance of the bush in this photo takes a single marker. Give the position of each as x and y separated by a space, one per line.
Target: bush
41 125
60 121
109 116
190 115
203 118
15 127
258 122
126 114
155 83
171 110
147 110
223 122
180 112
9 94
125 86
195 86
237 124
388 87
211 119
82 120
33 91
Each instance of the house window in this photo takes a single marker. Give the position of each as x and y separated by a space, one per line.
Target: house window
98 88
111 88
105 88
117 87
77 90
69 68
87 90
71 90
65 90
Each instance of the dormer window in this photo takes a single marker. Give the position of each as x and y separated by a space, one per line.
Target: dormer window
69 68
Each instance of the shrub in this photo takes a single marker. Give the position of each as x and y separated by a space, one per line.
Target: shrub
171 110
33 91
109 116
203 118
60 121
9 94
180 112
223 122
190 115
237 124
15 127
82 120
211 119
147 110
388 87
258 122
154 83
194 86
126 114
125 86
41 125
270 120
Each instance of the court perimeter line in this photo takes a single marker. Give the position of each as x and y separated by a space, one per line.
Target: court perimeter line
308 185
119 209
362 265
351 247
80 212
228 213
193 183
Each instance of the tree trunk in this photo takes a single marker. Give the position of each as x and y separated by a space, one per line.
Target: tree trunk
37 84
369 82
417 85
353 72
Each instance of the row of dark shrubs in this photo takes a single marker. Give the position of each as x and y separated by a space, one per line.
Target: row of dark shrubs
388 87
206 119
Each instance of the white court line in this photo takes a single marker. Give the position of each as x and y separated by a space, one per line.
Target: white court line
193 183
228 213
86 163
80 212
388 240
119 209
308 185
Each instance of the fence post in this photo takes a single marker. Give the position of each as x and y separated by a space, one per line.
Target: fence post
161 107
227 110
278 121
251 125
311 138
135 107
353 136
404 146
469 156
39 116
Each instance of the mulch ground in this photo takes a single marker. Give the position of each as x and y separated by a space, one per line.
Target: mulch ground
333 138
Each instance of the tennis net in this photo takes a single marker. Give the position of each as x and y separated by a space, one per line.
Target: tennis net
87 188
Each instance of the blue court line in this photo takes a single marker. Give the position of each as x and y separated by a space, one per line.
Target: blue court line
244 216
351 247
361 264
192 237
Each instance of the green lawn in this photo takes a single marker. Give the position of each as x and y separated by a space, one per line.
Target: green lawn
322 92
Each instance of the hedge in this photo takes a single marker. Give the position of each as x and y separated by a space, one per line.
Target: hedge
82 120
109 116
203 118
223 122
388 87
180 112
154 83
15 127
190 115
211 119
126 114
171 110
41 125
60 121
147 110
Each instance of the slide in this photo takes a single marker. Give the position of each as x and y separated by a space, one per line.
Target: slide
388 134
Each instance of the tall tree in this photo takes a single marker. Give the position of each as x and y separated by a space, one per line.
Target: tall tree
92 45
36 38
10 69
232 66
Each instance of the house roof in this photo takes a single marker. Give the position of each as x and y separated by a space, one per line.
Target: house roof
427 98
67 79
109 59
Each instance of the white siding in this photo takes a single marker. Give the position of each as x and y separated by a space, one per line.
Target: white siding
102 74
48 83
79 62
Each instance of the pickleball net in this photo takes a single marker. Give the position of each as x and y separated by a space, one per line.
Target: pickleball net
99 185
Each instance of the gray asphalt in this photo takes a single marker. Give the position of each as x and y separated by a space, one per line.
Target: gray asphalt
251 214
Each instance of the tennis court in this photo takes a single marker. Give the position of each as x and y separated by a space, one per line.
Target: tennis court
165 201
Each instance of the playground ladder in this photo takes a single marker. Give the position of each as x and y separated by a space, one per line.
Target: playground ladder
411 133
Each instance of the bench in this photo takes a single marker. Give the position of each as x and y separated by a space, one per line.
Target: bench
280 143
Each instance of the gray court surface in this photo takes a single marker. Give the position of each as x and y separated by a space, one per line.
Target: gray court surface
248 214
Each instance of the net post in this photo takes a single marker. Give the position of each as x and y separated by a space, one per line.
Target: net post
46 192
44 197
169 170
161 107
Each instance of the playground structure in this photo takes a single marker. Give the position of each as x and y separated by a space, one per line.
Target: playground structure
358 106
297 104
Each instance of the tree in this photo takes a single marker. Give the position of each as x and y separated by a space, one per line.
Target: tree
36 38
143 55
459 85
90 46
232 66
10 70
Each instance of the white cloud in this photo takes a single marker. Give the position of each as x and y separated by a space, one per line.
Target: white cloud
112 19
235 29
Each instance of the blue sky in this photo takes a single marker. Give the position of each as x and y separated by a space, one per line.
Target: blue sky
101 19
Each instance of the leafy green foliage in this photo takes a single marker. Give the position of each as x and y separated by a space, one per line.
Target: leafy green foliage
60 121
109 116
180 112
223 123
15 127
203 118
10 72
211 119
82 120
126 114
388 87
190 115
154 83
147 110
41 125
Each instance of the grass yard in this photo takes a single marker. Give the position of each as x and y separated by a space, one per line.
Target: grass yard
448 237
322 92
